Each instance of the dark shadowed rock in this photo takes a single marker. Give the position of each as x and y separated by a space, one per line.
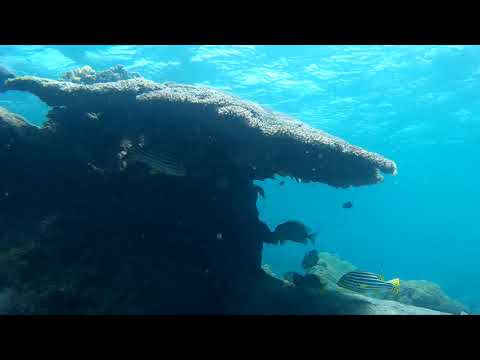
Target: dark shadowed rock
5 300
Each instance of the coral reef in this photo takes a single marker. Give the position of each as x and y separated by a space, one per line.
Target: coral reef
272 296
258 141
101 238
86 75
418 293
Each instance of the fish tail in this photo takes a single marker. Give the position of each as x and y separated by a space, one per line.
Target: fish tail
396 285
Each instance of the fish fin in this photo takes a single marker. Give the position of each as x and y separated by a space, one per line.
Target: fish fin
312 238
394 282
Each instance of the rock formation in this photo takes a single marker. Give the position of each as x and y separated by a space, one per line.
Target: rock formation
97 237
428 295
414 295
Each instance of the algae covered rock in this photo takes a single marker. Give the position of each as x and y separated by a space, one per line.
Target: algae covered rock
419 293
429 295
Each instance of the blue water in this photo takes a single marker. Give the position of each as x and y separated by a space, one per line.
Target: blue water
417 105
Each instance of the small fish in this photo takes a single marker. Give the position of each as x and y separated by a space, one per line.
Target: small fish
282 183
158 162
5 74
293 231
364 281
347 205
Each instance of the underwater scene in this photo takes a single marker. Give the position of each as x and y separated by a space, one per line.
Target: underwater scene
239 179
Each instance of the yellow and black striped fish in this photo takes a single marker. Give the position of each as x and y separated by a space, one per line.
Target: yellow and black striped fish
159 162
364 281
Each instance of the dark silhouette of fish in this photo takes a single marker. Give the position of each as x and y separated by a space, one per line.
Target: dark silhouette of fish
347 205
282 183
293 231
5 74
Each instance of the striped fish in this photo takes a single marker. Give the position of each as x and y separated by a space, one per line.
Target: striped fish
364 281
158 162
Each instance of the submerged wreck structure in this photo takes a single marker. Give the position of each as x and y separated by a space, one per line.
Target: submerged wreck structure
84 231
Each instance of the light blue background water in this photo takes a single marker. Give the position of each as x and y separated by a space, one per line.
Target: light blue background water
418 105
